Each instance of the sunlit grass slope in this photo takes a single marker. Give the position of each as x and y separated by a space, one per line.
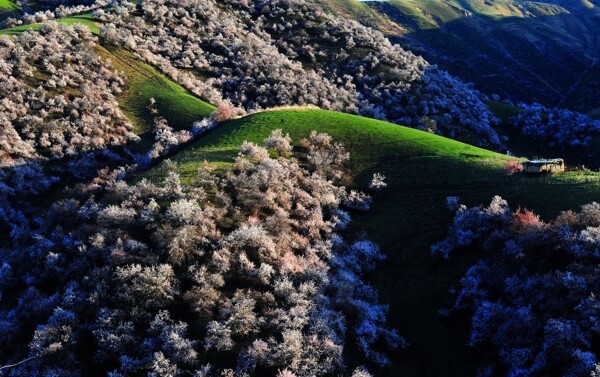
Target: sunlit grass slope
370 141
8 5
422 170
173 102
8 9
359 11
438 12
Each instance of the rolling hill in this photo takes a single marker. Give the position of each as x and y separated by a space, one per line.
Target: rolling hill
422 170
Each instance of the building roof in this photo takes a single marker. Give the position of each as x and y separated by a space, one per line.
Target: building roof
545 161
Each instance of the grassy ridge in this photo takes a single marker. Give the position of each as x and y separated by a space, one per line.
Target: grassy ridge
143 82
370 141
422 170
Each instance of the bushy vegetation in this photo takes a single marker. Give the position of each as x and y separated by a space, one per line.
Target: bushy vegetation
532 294
240 274
265 54
555 127
58 97
57 104
242 270
60 120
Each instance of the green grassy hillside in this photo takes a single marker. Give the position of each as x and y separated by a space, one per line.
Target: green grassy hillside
370 141
422 170
8 5
173 102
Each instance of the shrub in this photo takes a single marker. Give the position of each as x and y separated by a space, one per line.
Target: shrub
257 270
377 182
530 296
512 167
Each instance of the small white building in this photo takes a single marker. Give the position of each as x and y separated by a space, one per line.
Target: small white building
556 165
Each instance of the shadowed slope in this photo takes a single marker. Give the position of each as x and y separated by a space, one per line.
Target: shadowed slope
527 51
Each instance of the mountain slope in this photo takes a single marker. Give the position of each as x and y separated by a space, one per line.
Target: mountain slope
141 83
422 170
293 53
584 95
527 51
361 12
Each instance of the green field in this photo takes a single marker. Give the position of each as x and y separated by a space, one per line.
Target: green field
422 170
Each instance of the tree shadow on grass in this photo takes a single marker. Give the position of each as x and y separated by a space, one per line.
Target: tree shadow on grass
408 217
